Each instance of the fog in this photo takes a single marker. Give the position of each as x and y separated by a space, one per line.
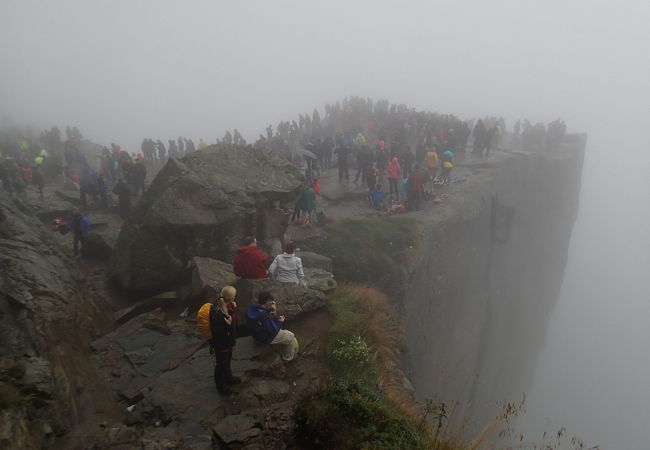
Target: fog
124 70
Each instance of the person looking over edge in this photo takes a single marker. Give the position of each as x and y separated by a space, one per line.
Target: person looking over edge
250 262
224 335
265 326
287 267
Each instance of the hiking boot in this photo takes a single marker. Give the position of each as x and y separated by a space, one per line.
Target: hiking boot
234 380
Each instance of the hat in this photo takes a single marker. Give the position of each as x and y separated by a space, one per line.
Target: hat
264 297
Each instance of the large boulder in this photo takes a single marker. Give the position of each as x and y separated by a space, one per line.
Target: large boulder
320 280
209 276
292 299
316 261
203 205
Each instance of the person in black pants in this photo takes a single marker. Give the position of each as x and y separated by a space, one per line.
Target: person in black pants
223 323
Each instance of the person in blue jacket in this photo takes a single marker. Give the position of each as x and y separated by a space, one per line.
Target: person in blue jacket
80 227
265 326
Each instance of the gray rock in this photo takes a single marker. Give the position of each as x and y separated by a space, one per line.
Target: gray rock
311 260
237 428
38 376
69 195
320 280
203 205
97 246
163 300
292 299
47 315
209 276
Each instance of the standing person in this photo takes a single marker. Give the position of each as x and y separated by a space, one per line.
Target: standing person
479 137
250 262
223 323
162 151
393 169
407 161
431 161
189 145
181 146
363 160
382 155
38 180
102 189
308 202
123 193
447 165
80 227
342 161
371 176
287 267
139 172
265 326
416 184
490 136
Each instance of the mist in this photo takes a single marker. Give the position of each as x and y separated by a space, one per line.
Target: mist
122 71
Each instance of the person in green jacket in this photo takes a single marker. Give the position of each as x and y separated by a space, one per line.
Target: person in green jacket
308 203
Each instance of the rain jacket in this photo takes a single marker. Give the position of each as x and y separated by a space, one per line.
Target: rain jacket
431 160
393 168
287 268
261 325
250 262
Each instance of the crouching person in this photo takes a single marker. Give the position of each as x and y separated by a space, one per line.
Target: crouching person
219 318
266 327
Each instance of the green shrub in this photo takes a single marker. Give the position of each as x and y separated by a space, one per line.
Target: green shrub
352 415
350 357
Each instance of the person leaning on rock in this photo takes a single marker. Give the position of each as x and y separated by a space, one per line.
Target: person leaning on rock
250 262
287 267
265 326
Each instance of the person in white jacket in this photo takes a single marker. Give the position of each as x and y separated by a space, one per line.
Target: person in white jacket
287 267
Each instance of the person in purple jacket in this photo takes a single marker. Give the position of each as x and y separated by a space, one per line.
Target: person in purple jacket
265 326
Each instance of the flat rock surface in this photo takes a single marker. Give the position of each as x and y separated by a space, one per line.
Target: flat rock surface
168 385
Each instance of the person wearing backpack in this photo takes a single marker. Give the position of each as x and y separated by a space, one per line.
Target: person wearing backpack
217 322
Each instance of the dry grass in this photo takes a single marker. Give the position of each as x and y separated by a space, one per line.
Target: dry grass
367 312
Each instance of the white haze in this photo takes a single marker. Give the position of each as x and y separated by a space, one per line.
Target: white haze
125 70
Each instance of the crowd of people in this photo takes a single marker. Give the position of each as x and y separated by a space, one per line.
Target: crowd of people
386 146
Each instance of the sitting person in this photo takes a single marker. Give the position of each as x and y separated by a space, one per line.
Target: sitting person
266 327
250 262
377 197
287 267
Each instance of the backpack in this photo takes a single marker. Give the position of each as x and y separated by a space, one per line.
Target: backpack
204 322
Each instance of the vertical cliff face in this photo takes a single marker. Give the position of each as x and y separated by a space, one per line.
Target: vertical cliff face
489 275
48 314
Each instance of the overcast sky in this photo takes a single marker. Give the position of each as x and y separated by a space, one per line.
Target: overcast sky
124 70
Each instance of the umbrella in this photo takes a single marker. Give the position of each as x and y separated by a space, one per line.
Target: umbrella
308 154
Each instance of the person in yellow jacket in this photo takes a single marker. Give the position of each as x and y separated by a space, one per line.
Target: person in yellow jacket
431 162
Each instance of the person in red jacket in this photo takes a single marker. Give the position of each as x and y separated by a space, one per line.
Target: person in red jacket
250 261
